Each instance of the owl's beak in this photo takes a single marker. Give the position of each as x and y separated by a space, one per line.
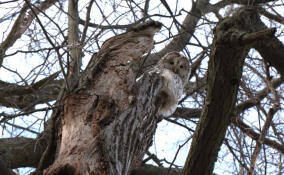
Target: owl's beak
175 70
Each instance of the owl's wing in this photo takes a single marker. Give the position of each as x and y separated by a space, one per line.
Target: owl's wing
173 84
173 88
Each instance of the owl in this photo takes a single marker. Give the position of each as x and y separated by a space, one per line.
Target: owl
174 69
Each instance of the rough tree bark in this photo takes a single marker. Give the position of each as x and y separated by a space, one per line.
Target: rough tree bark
233 39
15 152
108 121
24 97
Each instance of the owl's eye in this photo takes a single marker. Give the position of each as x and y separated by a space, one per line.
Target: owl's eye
171 62
181 66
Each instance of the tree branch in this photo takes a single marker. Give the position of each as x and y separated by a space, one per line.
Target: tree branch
188 113
256 36
152 170
26 97
183 37
21 152
74 43
21 25
272 50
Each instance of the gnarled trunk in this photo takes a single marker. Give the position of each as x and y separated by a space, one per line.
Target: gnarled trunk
108 122
234 37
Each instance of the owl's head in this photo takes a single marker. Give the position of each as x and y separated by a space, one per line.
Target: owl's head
177 63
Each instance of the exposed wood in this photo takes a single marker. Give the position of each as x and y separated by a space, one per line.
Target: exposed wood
106 120
109 120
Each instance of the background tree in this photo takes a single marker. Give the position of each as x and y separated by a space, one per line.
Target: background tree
236 98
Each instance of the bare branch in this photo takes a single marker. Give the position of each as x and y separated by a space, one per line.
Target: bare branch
21 25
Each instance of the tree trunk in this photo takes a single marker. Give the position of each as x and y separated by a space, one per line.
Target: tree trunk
232 41
108 122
